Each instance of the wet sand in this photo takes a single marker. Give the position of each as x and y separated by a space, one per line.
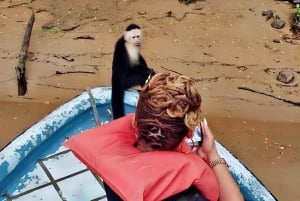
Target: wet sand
222 46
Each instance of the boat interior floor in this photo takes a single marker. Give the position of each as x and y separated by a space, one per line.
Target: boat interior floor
60 176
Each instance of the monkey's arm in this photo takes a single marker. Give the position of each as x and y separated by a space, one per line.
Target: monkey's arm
137 76
144 65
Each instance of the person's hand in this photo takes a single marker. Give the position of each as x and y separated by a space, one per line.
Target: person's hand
208 149
229 189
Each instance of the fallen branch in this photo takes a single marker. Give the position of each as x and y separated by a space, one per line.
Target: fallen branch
20 68
263 93
70 72
85 37
171 70
20 4
294 40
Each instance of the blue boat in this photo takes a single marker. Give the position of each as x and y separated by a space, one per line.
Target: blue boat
35 166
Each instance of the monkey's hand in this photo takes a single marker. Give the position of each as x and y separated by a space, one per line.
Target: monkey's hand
151 72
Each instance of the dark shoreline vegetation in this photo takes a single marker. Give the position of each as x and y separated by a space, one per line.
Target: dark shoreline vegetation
295 21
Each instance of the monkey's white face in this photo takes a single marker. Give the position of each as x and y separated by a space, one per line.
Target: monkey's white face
133 37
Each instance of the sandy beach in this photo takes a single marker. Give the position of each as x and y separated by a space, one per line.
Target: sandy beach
230 50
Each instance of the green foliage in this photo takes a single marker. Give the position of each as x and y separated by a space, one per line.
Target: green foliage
51 31
80 14
298 10
297 13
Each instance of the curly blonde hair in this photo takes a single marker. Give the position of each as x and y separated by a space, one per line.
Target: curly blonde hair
168 107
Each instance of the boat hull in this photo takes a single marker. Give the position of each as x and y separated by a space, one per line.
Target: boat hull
35 165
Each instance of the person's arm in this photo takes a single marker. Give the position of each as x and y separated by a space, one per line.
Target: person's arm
229 190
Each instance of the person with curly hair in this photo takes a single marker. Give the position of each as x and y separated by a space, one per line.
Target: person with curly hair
169 110
144 156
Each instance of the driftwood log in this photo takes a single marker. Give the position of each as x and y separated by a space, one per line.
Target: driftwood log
20 68
270 95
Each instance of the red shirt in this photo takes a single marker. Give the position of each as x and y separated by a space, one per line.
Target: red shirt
135 175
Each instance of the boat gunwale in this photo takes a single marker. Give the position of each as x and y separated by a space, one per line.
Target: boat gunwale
16 151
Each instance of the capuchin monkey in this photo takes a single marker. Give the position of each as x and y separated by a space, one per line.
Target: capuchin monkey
129 68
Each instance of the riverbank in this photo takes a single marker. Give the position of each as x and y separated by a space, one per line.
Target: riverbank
230 50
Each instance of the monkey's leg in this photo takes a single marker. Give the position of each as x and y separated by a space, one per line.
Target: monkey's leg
117 101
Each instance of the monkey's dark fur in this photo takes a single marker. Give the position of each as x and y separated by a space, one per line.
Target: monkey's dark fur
125 74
